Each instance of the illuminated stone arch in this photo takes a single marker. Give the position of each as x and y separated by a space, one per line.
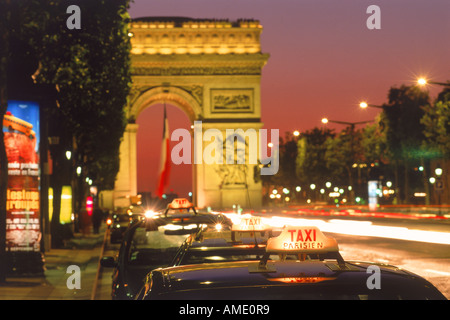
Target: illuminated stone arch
180 62
166 94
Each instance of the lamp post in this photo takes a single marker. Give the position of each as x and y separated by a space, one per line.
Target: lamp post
422 82
365 105
351 125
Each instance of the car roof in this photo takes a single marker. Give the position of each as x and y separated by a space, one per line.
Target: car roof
188 218
186 280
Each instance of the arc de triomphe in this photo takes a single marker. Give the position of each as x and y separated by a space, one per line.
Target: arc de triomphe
210 69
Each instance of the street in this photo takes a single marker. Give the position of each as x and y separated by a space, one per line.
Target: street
428 260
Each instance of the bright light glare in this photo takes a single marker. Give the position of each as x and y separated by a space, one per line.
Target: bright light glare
361 228
366 228
422 81
150 214
363 105
324 120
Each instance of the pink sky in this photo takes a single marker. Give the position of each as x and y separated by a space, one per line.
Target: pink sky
324 60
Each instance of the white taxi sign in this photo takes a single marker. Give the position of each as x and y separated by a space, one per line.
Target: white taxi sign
295 239
180 203
249 223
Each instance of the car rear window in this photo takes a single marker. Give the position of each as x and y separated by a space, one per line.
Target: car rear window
156 247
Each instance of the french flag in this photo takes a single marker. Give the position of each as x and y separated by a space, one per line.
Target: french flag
164 167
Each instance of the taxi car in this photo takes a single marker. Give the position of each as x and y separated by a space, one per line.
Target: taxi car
120 221
246 240
152 241
301 263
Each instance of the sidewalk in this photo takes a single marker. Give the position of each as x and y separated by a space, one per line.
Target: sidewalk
82 251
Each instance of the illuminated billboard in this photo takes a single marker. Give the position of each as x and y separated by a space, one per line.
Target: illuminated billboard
21 135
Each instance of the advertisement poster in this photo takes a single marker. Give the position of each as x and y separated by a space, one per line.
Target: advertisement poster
21 133
373 194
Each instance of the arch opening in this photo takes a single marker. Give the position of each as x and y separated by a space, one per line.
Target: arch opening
148 148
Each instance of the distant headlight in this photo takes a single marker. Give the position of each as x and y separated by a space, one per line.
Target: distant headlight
150 214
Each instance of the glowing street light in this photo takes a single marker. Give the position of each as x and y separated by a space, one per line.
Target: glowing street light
423 82
350 124
296 133
365 105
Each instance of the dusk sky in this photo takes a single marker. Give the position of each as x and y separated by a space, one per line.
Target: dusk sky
323 62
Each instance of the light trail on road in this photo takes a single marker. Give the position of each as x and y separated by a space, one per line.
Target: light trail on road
357 228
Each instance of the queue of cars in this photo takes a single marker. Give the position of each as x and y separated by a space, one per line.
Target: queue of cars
203 256
152 240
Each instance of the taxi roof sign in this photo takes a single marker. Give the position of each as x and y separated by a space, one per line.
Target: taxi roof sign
295 239
250 223
180 203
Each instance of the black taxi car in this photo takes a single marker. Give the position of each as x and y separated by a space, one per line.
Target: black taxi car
317 272
120 220
246 240
152 242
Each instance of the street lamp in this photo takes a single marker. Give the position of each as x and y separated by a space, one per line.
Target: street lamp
352 136
350 124
296 133
422 82
438 171
364 105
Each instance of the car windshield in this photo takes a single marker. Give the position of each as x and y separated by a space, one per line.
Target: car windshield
154 247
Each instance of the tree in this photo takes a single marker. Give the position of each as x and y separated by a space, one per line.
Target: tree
311 156
344 155
436 122
90 69
5 17
404 130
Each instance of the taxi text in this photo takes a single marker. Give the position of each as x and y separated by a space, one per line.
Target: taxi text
302 239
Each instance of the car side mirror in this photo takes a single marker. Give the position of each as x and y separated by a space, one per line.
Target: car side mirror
108 262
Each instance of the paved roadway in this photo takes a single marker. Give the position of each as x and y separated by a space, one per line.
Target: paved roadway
429 260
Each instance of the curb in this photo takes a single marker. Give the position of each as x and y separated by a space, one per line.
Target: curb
95 285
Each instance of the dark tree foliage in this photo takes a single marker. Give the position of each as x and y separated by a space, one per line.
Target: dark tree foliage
88 73
90 68
404 131
311 159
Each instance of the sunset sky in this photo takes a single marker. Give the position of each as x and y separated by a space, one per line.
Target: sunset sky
323 62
